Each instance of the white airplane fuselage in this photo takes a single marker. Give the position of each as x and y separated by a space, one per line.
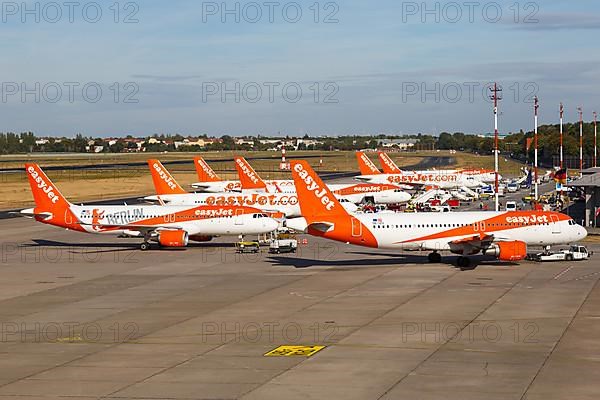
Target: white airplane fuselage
438 231
194 220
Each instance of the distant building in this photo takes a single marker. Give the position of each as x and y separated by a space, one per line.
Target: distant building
402 144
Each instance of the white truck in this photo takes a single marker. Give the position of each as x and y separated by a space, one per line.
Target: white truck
574 253
279 246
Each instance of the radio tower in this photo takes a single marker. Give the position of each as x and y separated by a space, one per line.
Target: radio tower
580 110
561 134
536 105
595 139
496 97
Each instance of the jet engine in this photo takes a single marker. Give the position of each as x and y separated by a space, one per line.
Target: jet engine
176 238
507 251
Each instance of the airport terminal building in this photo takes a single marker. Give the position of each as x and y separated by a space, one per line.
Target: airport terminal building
590 182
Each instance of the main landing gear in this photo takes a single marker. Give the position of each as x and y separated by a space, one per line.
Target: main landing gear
145 246
434 257
464 262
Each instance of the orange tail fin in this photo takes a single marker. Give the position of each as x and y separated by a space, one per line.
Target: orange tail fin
164 183
324 214
248 176
365 165
316 200
49 200
388 165
204 171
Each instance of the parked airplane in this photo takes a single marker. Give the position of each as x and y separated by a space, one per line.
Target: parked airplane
504 235
168 191
170 226
440 179
211 182
355 193
390 167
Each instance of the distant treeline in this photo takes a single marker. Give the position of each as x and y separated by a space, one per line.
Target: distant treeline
514 143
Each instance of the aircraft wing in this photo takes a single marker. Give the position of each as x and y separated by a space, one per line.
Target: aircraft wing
135 227
472 244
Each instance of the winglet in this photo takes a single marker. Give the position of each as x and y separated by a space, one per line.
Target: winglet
388 165
248 176
204 171
164 183
365 165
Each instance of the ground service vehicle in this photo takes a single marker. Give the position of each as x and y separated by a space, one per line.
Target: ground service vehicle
247 247
283 246
574 253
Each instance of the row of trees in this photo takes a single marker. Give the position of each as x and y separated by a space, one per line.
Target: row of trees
514 144
11 143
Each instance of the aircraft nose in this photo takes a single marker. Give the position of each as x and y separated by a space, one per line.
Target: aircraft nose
581 232
271 224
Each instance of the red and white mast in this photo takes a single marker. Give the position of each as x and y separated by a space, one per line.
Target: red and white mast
562 111
595 139
495 90
535 135
580 110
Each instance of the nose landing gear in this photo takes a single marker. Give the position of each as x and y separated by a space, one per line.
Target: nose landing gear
434 257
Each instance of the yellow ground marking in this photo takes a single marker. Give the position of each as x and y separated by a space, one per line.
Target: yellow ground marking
288 351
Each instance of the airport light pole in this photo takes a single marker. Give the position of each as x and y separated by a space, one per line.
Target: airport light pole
580 110
562 110
595 139
536 105
496 97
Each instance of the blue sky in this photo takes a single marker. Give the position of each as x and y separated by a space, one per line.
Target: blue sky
385 67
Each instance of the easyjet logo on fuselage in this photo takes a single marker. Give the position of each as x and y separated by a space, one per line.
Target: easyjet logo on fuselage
368 162
423 178
41 184
314 187
254 199
164 176
247 171
363 189
207 170
528 219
